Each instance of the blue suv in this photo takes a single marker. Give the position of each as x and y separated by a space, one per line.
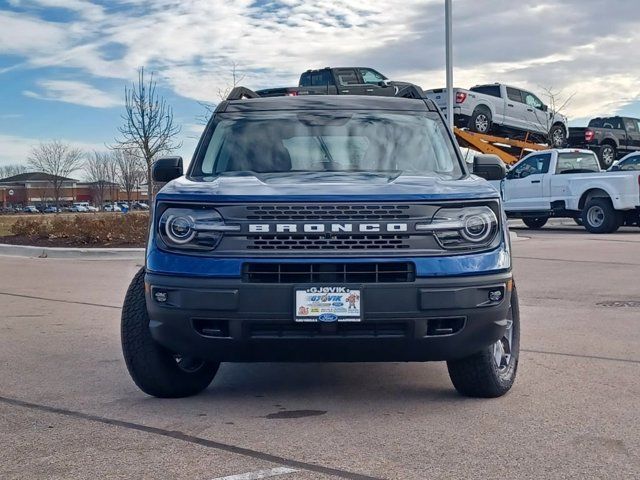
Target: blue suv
324 228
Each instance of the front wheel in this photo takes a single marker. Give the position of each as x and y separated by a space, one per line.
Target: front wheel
154 369
535 223
557 136
491 372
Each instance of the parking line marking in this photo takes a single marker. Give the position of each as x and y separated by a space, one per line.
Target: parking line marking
58 300
273 472
205 442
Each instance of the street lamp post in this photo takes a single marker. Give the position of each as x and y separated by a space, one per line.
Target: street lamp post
449 59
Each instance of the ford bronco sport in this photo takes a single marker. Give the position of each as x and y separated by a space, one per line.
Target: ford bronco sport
324 228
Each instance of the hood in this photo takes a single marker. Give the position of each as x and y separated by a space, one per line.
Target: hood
333 186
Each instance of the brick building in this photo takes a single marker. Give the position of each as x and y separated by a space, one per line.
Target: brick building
36 188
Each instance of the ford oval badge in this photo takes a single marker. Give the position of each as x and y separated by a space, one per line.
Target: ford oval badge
327 317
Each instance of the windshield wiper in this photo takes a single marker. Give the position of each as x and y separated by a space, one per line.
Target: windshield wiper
325 149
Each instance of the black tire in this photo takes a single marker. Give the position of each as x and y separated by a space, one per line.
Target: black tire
535 223
557 136
599 216
607 155
479 375
480 121
155 370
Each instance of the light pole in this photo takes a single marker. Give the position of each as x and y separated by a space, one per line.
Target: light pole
449 59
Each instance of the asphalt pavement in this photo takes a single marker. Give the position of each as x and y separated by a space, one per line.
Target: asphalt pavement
68 408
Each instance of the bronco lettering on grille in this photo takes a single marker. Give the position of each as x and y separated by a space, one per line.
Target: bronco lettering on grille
330 227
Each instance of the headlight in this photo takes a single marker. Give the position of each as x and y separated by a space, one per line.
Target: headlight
192 228
464 227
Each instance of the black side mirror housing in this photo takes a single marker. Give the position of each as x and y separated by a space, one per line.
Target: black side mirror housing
166 169
489 167
544 108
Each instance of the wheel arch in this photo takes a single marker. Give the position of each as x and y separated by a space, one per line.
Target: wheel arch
591 193
609 141
486 107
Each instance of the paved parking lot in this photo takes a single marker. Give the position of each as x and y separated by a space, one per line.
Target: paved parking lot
69 410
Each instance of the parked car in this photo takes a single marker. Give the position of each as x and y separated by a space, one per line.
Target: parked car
325 240
112 208
30 209
628 162
91 208
346 81
51 209
609 137
492 107
139 206
569 183
78 208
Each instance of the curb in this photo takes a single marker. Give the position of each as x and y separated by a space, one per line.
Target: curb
515 238
63 252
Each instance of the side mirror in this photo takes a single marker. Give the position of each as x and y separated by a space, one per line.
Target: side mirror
544 108
489 167
384 83
166 169
615 168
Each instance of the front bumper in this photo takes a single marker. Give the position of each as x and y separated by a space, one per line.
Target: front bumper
230 320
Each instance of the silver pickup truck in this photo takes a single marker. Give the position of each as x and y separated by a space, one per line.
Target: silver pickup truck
493 107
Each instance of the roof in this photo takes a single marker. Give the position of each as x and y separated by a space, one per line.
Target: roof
34 177
326 102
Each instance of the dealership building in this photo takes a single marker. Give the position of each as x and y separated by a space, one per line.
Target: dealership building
36 188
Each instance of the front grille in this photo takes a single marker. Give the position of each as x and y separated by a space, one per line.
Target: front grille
321 242
334 330
391 272
328 212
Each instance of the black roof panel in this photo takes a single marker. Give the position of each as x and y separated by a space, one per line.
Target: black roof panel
326 102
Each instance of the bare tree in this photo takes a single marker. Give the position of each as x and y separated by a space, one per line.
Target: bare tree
111 169
130 171
235 77
556 103
148 129
97 172
12 170
58 160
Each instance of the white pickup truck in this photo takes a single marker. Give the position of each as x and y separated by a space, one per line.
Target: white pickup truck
486 108
569 183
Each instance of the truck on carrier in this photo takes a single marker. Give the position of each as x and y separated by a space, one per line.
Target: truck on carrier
609 137
324 228
346 81
503 109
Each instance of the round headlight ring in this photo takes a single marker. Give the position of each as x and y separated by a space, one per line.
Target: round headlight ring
478 227
179 229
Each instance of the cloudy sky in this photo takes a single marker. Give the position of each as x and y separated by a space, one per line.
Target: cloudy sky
64 63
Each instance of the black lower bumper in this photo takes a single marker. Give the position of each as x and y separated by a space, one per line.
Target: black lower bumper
229 320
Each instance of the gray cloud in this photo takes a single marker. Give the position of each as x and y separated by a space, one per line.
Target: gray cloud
584 47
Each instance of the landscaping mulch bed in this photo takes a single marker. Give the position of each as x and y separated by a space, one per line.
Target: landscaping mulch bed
81 231
65 242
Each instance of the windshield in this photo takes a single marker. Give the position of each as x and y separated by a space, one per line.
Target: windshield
413 142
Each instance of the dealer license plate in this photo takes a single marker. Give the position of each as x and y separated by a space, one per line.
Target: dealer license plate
328 304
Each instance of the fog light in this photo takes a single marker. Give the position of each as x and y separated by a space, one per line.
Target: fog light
495 295
160 297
